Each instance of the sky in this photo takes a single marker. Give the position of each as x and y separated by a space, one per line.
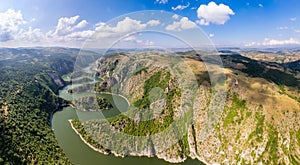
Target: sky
71 23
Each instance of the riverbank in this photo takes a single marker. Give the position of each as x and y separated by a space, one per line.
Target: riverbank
160 156
108 93
81 137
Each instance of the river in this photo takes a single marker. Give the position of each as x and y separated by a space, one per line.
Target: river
81 154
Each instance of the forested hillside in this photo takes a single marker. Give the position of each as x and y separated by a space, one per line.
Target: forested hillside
29 81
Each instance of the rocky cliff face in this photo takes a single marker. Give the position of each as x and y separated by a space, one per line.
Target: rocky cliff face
260 122
57 79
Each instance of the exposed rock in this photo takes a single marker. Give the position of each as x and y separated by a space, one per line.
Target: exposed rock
57 79
258 125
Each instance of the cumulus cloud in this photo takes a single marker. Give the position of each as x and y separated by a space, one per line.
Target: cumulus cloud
251 44
153 22
125 26
183 24
213 13
30 35
272 42
32 20
181 7
202 22
67 25
10 22
145 42
293 19
175 16
260 5
81 24
134 40
69 29
129 38
14 29
211 35
161 1
79 35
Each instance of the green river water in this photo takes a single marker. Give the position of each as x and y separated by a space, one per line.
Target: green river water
81 154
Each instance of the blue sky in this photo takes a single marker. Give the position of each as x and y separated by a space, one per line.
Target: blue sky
252 23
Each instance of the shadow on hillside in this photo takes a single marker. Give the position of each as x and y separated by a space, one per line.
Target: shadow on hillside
270 71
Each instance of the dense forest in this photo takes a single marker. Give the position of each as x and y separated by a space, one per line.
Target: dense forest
28 97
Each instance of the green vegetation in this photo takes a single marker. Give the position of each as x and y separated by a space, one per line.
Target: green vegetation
282 89
261 69
272 145
90 103
260 123
237 106
298 137
143 128
283 92
103 103
184 144
258 133
294 159
248 114
230 117
27 100
141 71
158 80
79 127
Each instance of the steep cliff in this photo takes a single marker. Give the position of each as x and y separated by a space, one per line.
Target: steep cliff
260 122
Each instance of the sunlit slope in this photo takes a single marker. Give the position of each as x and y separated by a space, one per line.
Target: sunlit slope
260 121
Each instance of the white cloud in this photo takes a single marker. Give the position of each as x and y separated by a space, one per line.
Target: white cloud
213 13
181 7
99 24
202 22
183 24
69 30
129 38
125 26
293 19
13 30
282 28
175 16
251 44
272 42
162 1
260 5
79 36
32 20
64 25
67 25
145 42
133 40
9 24
30 35
81 24
153 22
211 35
